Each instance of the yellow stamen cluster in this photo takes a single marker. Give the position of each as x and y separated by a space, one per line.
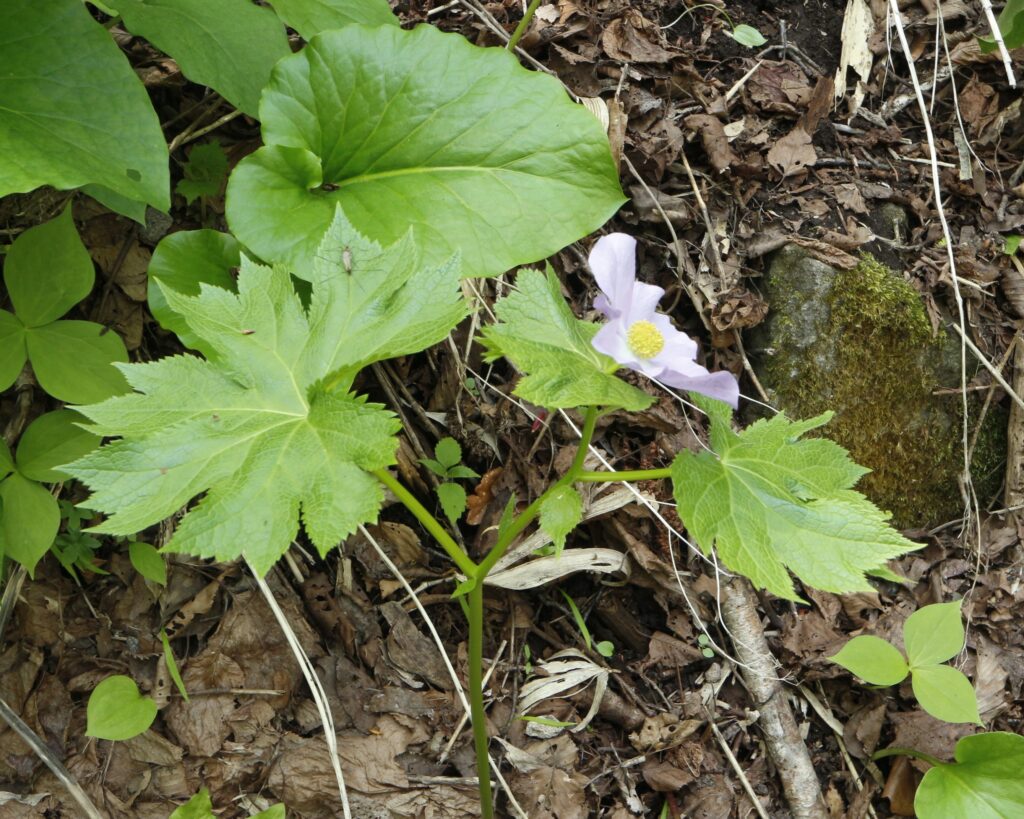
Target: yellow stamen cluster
644 339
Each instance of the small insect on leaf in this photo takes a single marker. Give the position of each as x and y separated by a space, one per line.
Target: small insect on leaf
247 332
346 258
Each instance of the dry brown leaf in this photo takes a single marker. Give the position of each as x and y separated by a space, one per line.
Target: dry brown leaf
793 153
476 503
633 38
712 136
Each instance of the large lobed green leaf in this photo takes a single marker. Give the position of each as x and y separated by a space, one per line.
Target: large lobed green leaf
985 782
419 128
72 111
268 429
229 45
769 502
538 333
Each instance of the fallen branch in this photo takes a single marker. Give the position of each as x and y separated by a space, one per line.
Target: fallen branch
785 745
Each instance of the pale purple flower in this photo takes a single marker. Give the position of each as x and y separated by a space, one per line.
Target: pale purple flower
641 339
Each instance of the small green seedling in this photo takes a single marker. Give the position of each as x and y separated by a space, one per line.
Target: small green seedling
605 648
206 174
932 635
447 464
73 548
743 34
705 645
117 710
201 807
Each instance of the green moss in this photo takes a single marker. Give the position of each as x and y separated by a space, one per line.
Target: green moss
859 342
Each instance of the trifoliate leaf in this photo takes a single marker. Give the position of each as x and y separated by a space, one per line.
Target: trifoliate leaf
539 334
985 782
560 513
873 660
268 429
933 634
945 693
448 452
205 172
770 502
453 500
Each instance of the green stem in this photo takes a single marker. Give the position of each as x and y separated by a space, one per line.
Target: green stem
476 697
530 512
521 28
907 752
461 559
626 475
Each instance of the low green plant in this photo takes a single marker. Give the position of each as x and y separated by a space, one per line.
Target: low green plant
200 807
73 548
743 34
447 465
1011 28
29 513
47 272
932 635
205 174
605 647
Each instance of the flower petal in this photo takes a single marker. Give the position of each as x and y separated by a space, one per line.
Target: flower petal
613 262
611 340
721 385
643 300
679 347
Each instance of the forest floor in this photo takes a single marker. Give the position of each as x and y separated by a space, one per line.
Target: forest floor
726 152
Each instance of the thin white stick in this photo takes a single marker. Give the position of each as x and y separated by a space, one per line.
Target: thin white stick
319 695
444 657
897 22
997 35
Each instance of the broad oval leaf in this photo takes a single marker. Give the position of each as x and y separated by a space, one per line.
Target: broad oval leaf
148 561
72 111
933 634
117 710
310 17
74 360
12 349
183 262
945 693
420 128
48 271
229 45
873 660
769 502
52 440
453 501
747 36
985 782
268 429
29 521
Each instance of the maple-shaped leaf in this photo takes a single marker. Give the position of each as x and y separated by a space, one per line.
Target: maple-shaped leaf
768 502
540 335
267 427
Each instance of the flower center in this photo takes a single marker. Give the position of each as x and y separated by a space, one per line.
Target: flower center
644 339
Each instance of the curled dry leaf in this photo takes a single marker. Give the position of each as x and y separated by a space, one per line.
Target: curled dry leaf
543 570
476 504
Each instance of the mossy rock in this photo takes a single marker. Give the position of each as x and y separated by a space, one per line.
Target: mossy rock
859 342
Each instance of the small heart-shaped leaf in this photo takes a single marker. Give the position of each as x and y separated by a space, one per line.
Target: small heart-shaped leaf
117 710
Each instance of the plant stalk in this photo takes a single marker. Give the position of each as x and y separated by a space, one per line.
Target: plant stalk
513 41
461 559
476 697
626 475
931 760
